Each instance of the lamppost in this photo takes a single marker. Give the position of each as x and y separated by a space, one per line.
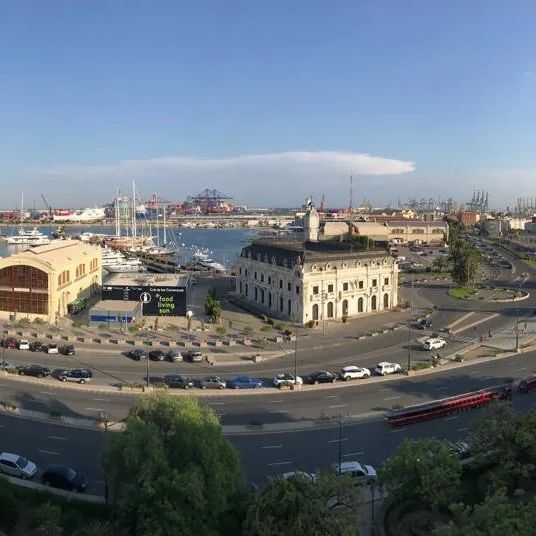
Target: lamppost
409 347
295 351
340 441
147 379
4 350
189 316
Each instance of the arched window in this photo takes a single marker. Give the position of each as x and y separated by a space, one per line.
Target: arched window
315 311
373 303
330 309
360 305
386 301
345 308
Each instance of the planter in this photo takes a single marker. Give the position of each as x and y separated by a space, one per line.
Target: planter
117 341
245 342
229 342
218 343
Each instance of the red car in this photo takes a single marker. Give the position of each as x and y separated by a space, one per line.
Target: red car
10 343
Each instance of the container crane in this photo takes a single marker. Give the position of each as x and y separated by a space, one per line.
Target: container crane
50 211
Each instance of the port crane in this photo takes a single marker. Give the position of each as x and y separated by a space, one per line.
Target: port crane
50 211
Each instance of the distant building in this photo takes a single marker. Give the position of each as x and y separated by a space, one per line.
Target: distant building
43 281
315 277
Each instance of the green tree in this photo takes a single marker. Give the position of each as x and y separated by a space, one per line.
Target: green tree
441 263
184 474
504 445
465 261
299 507
426 470
495 516
47 520
213 307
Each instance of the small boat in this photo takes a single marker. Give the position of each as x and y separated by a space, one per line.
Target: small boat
28 237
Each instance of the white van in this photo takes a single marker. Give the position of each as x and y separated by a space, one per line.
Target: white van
434 344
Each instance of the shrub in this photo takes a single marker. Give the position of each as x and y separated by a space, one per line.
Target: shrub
278 326
133 329
420 366
38 321
270 321
102 327
8 508
221 330
77 324
266 328
248 329
24 322
311 323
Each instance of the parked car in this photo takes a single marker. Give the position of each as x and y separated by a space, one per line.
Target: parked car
7 366
157 355
38 371
462 450
244 382
137 354
15 465
63 477
50 348
425 323
9 343
178 381
308 477
362 473
23 344
36 346
75 375
434 344
195 356
174 356
213 382
66 349
321 376
384 368
354 373
286 378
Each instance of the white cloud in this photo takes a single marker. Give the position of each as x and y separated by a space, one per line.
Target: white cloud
276 179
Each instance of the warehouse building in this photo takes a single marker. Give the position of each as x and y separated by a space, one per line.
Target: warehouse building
43 281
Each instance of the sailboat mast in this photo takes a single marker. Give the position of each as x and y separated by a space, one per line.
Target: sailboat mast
134 230
21 209
157 222
165 228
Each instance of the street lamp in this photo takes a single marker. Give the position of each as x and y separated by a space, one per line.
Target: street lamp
409 347
4 350
147 379
189 316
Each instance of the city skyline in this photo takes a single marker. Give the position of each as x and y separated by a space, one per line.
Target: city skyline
418 101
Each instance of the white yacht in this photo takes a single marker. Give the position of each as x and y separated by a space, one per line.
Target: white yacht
114 261
203 260
28 237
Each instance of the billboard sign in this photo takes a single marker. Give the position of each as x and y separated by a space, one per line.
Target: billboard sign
156 301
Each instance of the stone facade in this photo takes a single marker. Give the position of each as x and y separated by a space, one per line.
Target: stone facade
315 280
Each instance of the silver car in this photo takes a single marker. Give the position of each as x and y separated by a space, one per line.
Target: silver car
15 465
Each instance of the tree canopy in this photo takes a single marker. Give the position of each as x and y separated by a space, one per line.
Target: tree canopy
299 507
184 475
427 470
213 307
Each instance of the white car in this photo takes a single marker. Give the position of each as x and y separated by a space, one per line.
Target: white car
384 368
353 373
51 349
309 477
24 344
434 344
287 379
15 465
364 474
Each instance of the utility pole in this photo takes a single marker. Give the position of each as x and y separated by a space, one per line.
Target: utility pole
295 352
147 365
340 440
4 350
409 347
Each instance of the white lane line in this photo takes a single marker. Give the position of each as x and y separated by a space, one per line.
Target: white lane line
441 388
280 411
331 396
47 393
57 437
272 447
51 452
338 406
216 403
275 401
102 399
2 426
336 440
462 429
393 398
95 409
522 368
397 430
279 463
451 418
354 454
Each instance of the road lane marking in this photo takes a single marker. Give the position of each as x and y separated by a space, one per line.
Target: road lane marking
47 393
397 430
2 426
279 463
441 388
35 401
462 429
393 398
275 401
451 418
95 409
522 368
216 403
338 406
58 438
51 452
102 399
280 411
331 396
336 440
272 447
354 454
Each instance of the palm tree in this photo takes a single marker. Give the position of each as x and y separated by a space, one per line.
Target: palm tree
441 263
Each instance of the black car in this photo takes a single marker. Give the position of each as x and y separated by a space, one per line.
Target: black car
39 371
137 354
321 376
425 324
178 381
157 355
63 477
36 346
66 349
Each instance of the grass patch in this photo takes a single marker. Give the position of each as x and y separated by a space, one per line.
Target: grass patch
421 365
461 293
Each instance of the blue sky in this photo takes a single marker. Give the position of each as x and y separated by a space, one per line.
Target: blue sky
267 100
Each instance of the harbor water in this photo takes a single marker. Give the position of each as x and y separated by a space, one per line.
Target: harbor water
222 245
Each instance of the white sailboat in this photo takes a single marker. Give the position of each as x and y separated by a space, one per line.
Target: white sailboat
27 237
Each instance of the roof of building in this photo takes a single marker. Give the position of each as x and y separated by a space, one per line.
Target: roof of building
116 305
288 252
147 280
